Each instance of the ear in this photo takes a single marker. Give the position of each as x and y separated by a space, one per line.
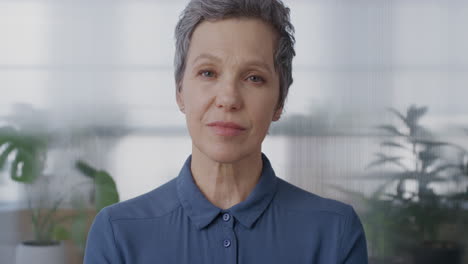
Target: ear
277 114
180 100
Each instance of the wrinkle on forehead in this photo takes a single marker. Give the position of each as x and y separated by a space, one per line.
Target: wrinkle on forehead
250 62
240 47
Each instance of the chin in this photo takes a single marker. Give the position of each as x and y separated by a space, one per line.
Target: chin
225 154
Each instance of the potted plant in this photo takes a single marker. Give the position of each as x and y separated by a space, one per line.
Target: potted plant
25 153
104 193
380 225
415 207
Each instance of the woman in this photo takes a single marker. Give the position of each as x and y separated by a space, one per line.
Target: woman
233 71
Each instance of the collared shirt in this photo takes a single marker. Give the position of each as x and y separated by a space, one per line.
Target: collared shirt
277 223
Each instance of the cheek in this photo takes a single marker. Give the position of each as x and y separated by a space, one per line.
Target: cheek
197 90
191 100
265 101
195 109
262 114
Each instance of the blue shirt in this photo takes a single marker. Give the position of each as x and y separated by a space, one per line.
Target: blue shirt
277 223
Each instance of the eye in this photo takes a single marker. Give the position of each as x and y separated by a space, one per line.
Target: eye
207 73
255 79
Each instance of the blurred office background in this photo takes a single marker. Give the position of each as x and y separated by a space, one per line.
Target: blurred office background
96 77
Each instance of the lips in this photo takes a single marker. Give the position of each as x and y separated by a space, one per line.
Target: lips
226 128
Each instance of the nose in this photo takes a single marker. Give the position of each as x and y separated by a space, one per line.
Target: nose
228 97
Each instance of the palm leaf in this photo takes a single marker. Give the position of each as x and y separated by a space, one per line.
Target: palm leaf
419 132
391 129
406 175
430 143
444 167
387 176
382 159
428 158
392 144
415 113
397 113
377 193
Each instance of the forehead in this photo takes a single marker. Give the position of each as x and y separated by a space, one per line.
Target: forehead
239 38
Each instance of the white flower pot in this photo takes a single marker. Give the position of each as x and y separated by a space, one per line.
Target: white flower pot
29 252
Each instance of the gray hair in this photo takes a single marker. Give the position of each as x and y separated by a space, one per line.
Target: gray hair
273 12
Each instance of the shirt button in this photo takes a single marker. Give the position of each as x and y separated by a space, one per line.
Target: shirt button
226 217
227 243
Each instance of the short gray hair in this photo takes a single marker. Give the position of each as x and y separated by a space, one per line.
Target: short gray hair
273 12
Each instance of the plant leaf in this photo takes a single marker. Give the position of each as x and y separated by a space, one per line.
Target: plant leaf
392 144
415 113
79 230
50 214
391 129
29 150
441 168
4 156
22 169
430 143
406 175
387 176
382 159
397 113
86 169
106 190
61 233
427 157
377 193
14 170
418 132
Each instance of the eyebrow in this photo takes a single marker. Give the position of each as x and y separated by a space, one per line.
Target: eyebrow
218 60
206 56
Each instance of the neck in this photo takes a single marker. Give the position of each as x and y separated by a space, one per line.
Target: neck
225 184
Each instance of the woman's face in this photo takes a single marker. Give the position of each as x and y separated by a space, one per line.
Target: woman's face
230 88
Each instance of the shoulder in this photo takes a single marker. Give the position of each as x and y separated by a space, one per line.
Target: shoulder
327 216
153 204
294 199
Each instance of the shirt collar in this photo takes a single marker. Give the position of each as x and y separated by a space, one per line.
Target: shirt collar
202 212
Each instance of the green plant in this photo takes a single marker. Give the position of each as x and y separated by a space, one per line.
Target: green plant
105 193
460 199
26 154
24 151
105 189
405 211
418 167
378 221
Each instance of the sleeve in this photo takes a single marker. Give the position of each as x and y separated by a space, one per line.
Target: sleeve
353 243
100 245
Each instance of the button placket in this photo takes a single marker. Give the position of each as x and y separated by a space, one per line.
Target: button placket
226 217
227 243
229 240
